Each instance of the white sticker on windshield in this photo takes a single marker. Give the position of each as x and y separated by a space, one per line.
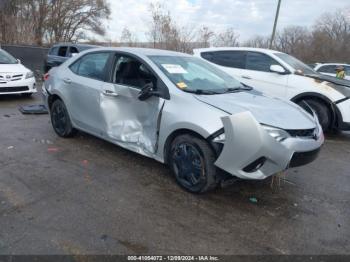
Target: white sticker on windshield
174 69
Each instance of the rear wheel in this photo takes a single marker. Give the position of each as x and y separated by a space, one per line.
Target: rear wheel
322 111
192 161
60 119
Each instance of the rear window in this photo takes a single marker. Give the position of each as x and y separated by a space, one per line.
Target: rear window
235 59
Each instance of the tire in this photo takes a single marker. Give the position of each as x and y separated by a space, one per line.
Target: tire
323 113
60 119
27 95
192 162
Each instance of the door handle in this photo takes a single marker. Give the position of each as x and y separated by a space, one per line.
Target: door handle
67 80
246 77
109 93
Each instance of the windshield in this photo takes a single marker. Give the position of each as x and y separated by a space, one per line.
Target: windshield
6 58
192 74
296 64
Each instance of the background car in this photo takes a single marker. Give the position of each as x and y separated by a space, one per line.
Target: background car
330 69
61 52
179 110
14 77
280 75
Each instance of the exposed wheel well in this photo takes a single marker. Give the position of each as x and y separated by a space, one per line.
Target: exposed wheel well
321 99
175 134
52 98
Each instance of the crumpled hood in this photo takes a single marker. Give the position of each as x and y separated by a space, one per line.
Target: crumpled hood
13 68
268 111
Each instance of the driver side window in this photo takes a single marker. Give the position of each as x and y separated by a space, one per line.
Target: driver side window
131 72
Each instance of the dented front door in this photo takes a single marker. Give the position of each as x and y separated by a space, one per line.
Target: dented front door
128 121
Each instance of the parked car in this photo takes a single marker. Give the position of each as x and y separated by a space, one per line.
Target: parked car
280 75
14 77
330 69
182 111
59 53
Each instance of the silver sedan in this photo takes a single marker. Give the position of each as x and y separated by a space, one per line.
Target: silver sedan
182 111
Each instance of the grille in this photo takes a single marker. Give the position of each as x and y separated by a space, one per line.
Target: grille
301 132
16 77
13 89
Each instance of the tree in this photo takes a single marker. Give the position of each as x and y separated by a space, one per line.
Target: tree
205 36
257 41
293 40
227 38
36 21
128 38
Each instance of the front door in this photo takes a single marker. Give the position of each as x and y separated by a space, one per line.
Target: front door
127 120
258 75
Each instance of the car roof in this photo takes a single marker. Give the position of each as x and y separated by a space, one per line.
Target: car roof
141 51
76 45
254 49
322 64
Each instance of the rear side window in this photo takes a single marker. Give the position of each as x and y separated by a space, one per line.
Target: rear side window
73 50
91 65
259 62
62 51
235 59
327 69
347 70
54 50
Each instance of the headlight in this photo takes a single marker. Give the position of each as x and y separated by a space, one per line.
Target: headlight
30 74
276 133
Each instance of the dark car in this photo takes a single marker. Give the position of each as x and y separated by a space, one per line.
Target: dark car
59 53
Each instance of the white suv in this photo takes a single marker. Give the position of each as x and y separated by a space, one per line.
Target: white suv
330 69
14 77
280 75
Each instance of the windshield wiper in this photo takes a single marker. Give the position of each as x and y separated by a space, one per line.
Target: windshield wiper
203 92
237 89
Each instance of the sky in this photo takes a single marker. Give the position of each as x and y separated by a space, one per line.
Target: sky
247 17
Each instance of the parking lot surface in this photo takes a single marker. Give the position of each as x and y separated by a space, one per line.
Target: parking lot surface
86 196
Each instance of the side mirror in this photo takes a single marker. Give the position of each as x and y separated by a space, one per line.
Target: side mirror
147 91
277 69
19 61
73 54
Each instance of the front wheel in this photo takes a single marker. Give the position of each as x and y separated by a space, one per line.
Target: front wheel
322 111
192 161
60 119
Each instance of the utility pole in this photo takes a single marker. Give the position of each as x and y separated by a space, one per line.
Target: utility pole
275 24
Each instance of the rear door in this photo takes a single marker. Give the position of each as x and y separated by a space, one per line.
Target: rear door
232 62
83 82
127 120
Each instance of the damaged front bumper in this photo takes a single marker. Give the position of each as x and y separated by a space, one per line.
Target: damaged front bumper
250 152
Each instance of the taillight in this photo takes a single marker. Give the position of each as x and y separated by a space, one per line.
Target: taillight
46 76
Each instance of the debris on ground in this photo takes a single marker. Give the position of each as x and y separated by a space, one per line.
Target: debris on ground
33 109
253 200
52 149
10 147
